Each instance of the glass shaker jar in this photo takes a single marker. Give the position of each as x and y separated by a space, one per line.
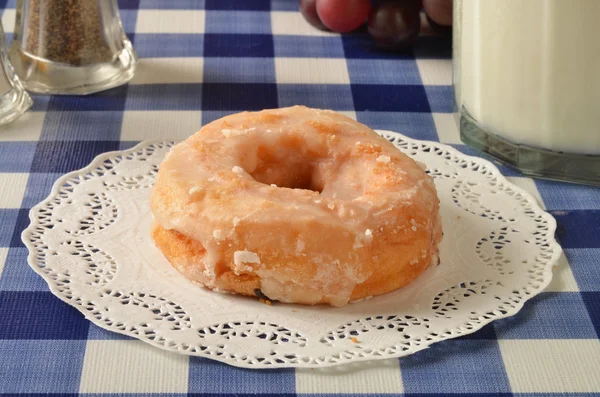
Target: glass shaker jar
71 46
14 101
527 84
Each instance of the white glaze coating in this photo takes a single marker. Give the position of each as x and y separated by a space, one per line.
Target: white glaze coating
301 151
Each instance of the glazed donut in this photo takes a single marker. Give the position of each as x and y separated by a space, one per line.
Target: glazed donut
295 205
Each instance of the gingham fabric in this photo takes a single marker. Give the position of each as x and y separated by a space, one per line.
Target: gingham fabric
201 60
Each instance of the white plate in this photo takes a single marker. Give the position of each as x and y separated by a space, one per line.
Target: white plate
90 241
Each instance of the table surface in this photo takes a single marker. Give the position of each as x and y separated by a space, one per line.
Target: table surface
199 61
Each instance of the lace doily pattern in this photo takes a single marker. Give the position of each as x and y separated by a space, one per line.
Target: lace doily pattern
90 241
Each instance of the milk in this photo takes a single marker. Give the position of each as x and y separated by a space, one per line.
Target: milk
529 71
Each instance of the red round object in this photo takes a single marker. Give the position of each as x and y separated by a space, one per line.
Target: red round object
440 11
308 8
343 15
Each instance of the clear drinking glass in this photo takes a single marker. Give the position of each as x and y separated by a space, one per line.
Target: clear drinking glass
14 101
527 84
71 46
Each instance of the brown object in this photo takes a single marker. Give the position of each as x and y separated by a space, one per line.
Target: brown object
440 11
66 31
394 25
439 29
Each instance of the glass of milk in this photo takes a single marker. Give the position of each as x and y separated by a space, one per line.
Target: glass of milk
527 84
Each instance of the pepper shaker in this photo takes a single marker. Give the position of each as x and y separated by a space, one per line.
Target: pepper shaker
14 101
71 46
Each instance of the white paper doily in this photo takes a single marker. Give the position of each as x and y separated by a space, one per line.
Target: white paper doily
90 241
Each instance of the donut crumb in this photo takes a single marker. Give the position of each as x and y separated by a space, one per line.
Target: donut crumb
354 340
236 221
265 301
195 190
241 257
216 233
368 235
331 206
237 169
383 159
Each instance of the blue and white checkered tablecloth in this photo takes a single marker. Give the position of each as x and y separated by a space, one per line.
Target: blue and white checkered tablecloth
201 60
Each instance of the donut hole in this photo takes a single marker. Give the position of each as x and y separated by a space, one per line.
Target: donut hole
285 169
289 175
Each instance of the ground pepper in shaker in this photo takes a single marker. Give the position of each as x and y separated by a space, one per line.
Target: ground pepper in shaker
14 101
71 46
